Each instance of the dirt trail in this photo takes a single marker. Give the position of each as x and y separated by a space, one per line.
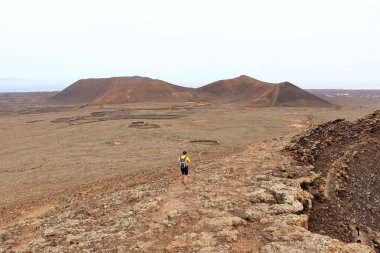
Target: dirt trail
275 95
34 213
331 174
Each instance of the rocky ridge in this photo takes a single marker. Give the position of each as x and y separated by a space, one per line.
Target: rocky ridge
346 155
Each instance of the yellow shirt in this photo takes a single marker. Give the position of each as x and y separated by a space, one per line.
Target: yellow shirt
187 159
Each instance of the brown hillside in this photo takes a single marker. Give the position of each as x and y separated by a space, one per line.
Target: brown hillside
118 90
241 90
235 90
249 91
83 91
291 95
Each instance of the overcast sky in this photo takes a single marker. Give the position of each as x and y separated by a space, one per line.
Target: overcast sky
49 44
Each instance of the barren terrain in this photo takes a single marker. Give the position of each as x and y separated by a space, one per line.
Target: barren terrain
104 178
350 98
27 102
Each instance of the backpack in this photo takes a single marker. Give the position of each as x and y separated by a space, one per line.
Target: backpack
183 162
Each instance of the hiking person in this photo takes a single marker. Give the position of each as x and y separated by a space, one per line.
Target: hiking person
184 162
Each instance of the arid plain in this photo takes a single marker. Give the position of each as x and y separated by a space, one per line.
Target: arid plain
43 154
104 177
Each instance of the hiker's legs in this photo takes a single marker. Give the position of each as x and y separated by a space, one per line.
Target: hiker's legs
184 172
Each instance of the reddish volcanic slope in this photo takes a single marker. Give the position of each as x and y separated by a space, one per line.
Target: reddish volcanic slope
291 95
249 91
242 90
118 90
236 90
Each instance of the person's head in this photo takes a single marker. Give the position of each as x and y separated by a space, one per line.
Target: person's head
184 152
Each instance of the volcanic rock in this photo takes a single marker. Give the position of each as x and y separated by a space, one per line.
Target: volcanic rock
346 155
